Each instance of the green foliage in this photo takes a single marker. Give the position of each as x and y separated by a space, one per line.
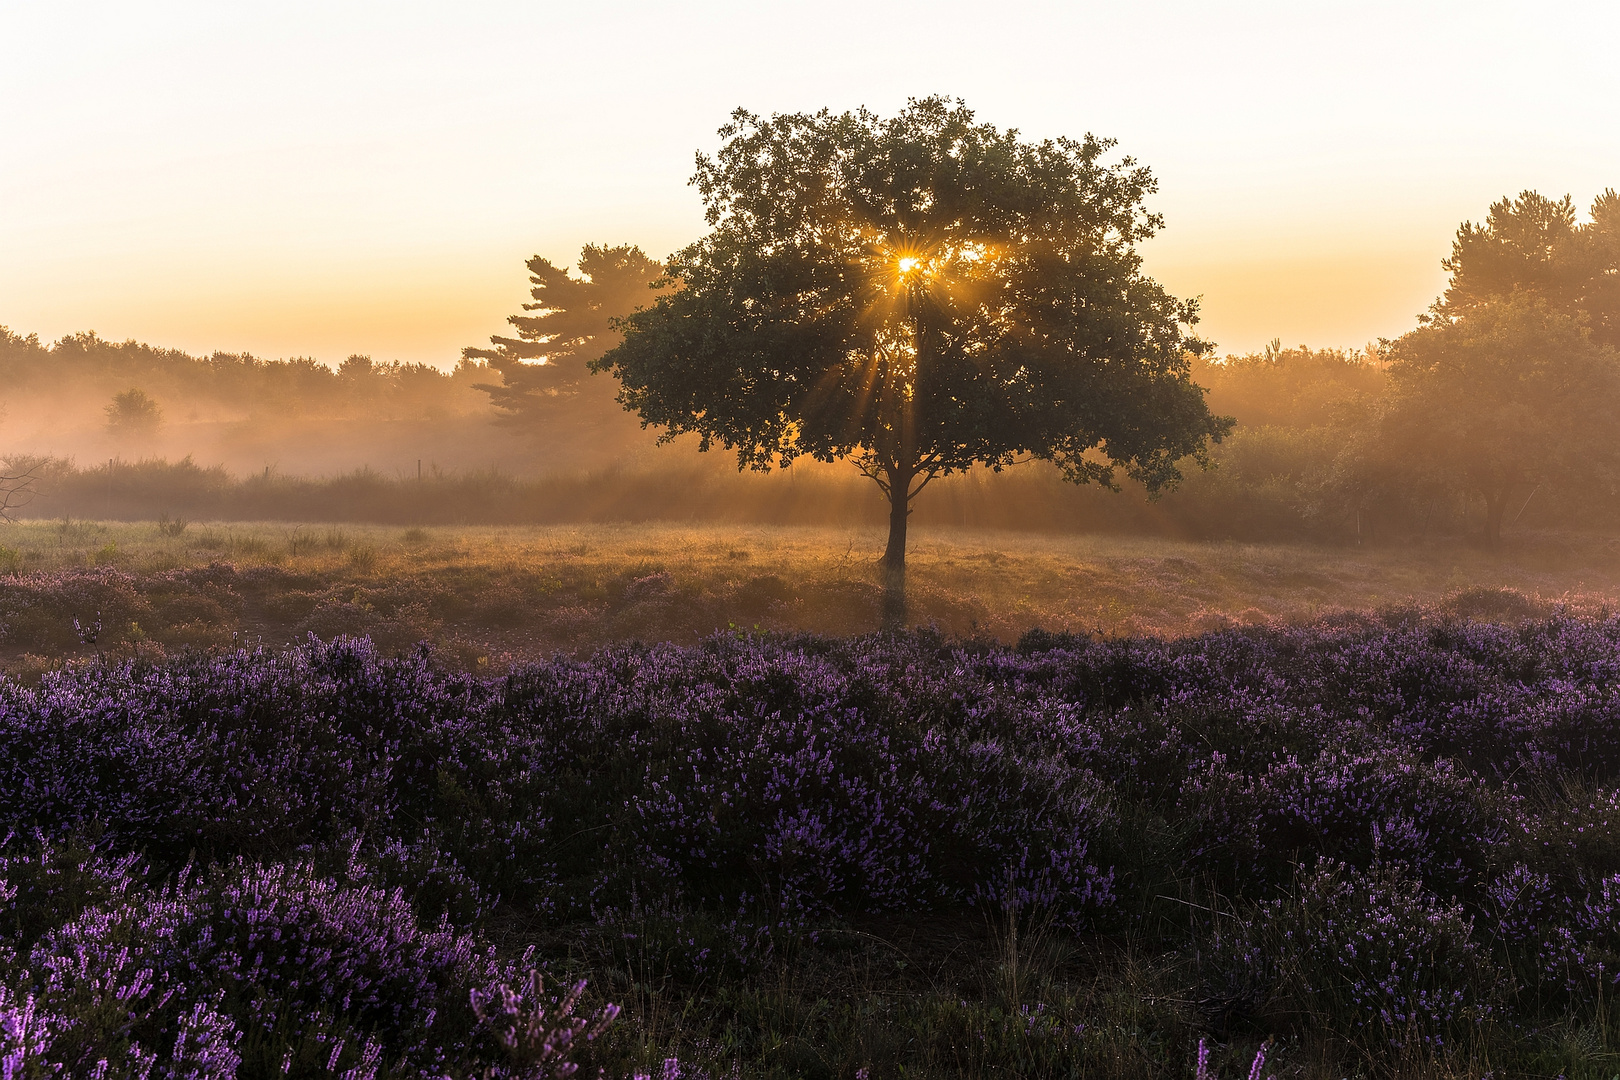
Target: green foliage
133 412
1291 388
1512 381
543 365
1534 245
1508 394
356 367
1509 387
89 365
920 294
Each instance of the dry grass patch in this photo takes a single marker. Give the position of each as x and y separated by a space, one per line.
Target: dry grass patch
497 593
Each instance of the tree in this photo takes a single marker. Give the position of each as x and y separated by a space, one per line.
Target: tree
16 489
1509 384
919 294
357 368
542 366
1534 245
1508 395
133 413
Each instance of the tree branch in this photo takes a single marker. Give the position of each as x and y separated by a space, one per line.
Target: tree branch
928 478
16 492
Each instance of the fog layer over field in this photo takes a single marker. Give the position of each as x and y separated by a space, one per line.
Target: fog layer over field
298 417
238 437
1499 412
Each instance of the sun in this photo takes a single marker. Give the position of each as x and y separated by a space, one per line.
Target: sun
908 263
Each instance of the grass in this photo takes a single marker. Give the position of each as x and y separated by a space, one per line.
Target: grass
947 994
494 594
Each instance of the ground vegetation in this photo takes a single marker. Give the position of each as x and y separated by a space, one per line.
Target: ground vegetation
1375 845
489 597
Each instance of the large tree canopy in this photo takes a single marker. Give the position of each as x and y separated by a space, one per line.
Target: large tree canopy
1533 245
1511 382
572 324
919 294
1509 395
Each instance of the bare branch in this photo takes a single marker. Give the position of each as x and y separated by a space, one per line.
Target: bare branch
928 478
873 468
16 492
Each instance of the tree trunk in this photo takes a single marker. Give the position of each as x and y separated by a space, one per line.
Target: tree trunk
900 475
1495 508
894 556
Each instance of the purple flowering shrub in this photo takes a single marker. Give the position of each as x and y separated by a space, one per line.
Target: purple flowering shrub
295 852
1563 943
796 780
277 972
49 882
792 775
538 1033
196 605
249 957
1367 953
1384 806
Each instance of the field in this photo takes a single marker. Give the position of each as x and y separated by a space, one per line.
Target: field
1378 847
489 596
1349 809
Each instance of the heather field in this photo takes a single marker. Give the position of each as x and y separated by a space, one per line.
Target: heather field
597 542
1376 844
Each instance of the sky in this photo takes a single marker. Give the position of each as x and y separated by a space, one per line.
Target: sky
320 179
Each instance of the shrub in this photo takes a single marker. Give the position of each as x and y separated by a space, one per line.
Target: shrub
725 810
1364 953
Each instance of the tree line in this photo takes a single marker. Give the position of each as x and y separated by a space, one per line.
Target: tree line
1276 478
925 294
140 384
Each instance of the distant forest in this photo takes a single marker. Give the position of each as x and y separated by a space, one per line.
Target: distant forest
1278 476
87 400
1499 412
302 385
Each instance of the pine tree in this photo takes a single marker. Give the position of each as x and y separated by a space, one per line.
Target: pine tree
1534 246
544 366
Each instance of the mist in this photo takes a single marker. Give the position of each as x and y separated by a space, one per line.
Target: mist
295 417
239 437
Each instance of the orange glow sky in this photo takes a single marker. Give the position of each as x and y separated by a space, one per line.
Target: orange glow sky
326 178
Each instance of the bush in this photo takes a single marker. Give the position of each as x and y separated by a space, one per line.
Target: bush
1365 954
297 851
